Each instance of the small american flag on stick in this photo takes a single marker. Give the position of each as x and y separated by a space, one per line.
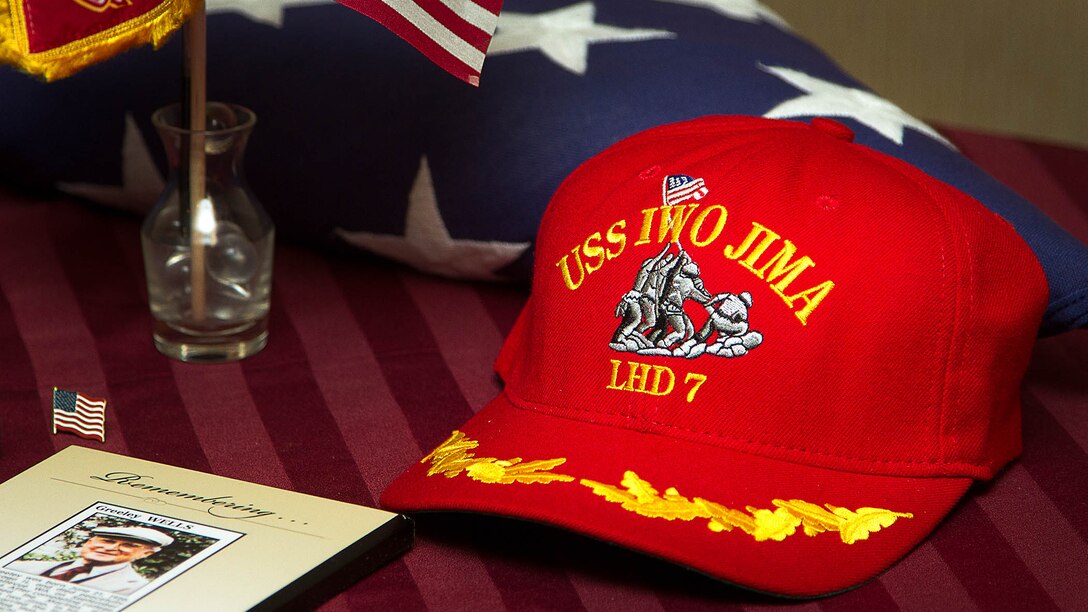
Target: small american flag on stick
79 414
454 34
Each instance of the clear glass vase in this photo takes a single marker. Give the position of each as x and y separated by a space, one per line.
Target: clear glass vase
208 243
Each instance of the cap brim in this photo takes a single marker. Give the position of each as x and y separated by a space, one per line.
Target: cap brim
764 524
122 536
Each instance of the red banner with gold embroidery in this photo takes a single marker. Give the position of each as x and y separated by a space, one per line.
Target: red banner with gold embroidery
55 38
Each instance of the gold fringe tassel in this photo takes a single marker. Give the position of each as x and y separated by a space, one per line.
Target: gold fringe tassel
154 27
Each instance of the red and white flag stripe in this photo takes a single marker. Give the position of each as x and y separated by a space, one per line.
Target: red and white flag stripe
454 34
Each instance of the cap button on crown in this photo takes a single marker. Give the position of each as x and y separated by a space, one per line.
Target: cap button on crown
833 128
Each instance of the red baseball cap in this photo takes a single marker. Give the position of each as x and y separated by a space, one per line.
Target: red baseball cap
756 349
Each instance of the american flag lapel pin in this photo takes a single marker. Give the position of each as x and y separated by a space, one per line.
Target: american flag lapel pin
76 413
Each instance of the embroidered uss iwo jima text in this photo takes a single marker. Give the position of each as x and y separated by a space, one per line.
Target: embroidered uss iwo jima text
762 252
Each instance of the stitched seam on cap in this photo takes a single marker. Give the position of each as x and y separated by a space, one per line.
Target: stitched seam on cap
954 341
957 322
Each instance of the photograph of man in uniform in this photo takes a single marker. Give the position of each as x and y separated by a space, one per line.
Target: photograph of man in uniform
105 559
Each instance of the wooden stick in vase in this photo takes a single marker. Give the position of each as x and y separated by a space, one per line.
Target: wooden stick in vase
196 101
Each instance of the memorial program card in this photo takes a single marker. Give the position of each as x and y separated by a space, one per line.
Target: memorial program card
90 530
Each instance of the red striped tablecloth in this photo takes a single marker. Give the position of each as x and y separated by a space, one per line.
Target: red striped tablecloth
370 365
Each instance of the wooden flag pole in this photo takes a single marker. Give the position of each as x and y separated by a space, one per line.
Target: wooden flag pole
194 101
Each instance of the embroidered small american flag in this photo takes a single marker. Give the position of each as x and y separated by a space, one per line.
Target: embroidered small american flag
79 414
677 188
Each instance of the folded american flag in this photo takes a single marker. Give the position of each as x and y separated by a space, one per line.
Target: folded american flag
79 414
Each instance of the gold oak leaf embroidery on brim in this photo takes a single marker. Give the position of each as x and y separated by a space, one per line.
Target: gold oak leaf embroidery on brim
639 496
453 457
636 495
852 525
